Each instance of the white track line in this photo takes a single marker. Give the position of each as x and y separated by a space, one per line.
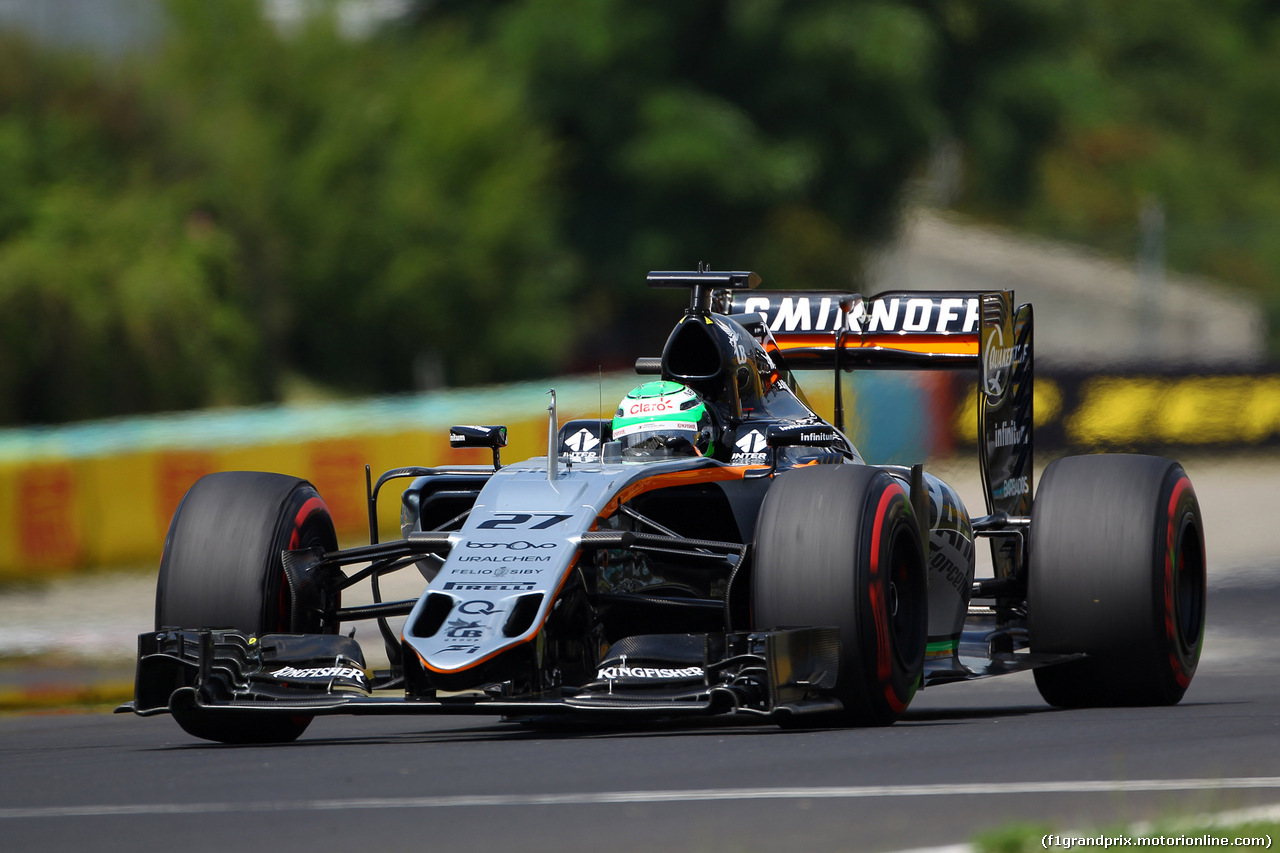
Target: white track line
670 796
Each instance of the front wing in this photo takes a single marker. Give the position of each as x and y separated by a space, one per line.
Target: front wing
763 673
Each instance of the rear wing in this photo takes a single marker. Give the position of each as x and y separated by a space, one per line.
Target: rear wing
923 330
823 330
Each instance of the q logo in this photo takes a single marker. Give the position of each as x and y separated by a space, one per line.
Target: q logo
478 607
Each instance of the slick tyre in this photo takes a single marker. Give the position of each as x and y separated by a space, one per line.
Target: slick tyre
1117 571
221 568
839 546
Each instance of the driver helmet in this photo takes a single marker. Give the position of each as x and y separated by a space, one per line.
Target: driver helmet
662 420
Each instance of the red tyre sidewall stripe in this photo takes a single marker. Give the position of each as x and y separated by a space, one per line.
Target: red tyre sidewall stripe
311 505
1170 560
884 666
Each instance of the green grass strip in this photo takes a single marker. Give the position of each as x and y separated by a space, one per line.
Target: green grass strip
1205 835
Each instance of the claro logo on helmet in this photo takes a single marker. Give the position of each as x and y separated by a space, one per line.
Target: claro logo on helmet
653 407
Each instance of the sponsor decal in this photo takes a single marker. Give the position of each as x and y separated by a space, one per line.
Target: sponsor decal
465 649
478 608
496 572
1047 406
916 317
491 586
655 426
945 567
816 313
751 448
528 520
951 543
321 672
793 315
812 435
735 340
472 435
996 360
949 316
1009 434
654 406
624 671
460 629
1012 488
504 558
518 545
582 445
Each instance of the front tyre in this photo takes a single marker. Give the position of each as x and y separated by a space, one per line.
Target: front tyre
221 568
221 565
838 545
1117 571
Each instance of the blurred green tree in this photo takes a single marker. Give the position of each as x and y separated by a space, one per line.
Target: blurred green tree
255 204
393 202
476 195
777 136
1179 106
115 295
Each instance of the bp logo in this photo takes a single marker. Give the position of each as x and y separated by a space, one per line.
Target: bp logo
750 448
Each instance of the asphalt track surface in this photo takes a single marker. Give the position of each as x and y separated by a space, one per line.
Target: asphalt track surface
966 758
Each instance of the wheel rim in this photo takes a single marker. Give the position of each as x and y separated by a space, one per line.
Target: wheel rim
1188 586
905 597
309 528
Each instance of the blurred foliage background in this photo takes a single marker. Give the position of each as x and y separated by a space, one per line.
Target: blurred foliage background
244 212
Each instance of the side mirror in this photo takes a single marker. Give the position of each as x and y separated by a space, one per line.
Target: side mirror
799 435
803 435
492 437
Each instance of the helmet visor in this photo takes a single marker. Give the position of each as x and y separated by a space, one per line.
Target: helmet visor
658 439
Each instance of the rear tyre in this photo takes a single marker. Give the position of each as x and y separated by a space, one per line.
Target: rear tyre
221 568
1117 571
838 545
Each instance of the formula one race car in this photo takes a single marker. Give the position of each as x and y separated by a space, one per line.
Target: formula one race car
715 548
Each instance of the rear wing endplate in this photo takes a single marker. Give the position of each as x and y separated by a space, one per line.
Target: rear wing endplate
1005 423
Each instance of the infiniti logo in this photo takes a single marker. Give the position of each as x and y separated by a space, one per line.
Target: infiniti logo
518 545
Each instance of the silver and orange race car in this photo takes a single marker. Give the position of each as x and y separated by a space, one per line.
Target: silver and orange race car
764 570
